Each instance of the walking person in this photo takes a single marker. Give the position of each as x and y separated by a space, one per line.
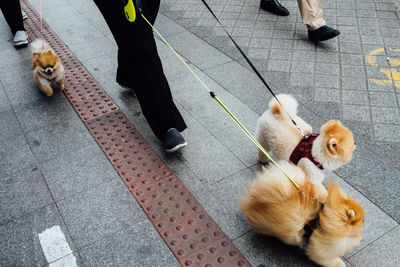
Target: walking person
11 10
140 68
311 15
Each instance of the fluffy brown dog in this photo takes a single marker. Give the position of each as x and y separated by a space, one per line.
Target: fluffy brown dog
46 67
332 148
274 207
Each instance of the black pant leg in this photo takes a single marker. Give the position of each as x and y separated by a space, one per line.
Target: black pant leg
140 66
12 13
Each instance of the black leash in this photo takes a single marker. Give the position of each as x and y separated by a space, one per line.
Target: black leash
252 66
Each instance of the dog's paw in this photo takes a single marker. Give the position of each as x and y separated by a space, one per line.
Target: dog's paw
48 91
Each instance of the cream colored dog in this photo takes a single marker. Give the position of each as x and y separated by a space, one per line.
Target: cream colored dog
332 148
273 206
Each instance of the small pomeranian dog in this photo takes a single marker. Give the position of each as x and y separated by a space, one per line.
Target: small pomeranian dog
47 67
330 149
325 226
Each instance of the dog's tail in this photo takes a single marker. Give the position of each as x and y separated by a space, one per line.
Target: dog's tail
36 46
289 103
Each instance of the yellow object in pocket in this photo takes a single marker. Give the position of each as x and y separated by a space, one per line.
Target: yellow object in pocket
130 12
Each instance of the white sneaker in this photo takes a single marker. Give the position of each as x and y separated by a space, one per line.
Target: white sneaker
20 38
24 15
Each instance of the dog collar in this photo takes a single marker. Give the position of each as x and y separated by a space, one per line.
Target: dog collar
303 150
50 80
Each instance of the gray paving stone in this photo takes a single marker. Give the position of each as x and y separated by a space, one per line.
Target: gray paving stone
166 26
235 140
329 81
77 36
308 56
350 48
20 242
388 151
11 57
100 47
4 102
282 43
301 79
136 245
210 161
258 53
14 150
100 212
326 68
22 193
279 65
325 110
235 78
356 113
64 137
352 70
327 95
267 251
229 219
77 172
383 99
386 132
260 43
355 97
304 67
43 113
353 83
327 57
197 51
385 115
281 54
386 247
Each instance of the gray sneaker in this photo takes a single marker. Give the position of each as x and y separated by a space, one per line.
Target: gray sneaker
20 38
174 140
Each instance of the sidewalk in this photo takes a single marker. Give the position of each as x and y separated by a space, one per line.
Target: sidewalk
53 172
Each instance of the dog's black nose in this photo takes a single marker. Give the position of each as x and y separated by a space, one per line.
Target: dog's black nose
48 71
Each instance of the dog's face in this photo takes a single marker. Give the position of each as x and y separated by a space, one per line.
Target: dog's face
47 62
343 214
338 140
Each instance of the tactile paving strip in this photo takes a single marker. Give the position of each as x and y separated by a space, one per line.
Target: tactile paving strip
187 229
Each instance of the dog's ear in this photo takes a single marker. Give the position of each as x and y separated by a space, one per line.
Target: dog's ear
277 111
35 60
333 146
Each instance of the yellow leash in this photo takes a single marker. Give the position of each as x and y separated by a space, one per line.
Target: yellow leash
252 138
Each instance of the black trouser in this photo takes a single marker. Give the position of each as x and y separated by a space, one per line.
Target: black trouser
12 13
139 65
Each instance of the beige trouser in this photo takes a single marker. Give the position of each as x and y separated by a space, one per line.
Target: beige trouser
311 13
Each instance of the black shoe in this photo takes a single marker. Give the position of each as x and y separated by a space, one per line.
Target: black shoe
174 140
274 6
322 34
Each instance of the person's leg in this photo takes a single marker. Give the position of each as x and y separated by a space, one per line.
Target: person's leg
12 13
274 6
139 66
313 17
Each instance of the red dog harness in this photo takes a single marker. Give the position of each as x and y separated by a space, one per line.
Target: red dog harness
303 150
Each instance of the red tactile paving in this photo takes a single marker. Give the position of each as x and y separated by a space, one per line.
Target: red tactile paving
187 229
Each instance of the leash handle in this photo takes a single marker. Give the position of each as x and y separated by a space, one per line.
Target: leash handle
253 67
